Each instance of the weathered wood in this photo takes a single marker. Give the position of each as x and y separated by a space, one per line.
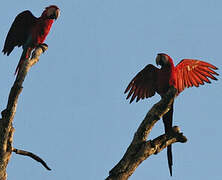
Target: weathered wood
6 127
31 155
141 148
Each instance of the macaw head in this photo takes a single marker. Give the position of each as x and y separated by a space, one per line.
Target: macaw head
51 12
164 60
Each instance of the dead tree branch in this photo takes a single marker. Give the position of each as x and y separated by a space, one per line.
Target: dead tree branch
31 155
141 148
6 127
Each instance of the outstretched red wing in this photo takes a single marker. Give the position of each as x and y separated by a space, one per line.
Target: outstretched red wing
143 85
19 31
191 72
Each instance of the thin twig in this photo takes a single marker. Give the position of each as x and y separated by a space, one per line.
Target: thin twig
31 155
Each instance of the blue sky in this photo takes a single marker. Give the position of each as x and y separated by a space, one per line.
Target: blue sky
72 110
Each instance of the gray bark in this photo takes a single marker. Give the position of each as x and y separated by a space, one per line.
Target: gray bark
6 126
141 148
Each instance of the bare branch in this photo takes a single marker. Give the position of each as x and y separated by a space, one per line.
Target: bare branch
6 128
31 155
140 149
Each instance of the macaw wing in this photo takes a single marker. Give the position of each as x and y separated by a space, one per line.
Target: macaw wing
19 31
191 72
143 85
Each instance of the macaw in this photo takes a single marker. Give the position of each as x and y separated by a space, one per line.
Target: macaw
29 32
188 73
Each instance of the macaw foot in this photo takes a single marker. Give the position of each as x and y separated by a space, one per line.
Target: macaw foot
176 129
175 132
43 46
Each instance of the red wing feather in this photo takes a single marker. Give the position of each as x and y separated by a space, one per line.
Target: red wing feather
197 77
202 76
180 80
186 80
191 72
143 85
19 31
193 79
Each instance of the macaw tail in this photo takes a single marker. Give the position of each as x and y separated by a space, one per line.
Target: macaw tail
170 158
25 56
168 122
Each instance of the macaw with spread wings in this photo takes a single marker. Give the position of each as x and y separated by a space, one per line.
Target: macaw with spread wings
188 73
29 32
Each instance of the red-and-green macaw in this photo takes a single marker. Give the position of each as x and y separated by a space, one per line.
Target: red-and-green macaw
188 73
29 32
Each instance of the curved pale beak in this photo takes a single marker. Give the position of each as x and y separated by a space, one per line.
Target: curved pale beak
57 13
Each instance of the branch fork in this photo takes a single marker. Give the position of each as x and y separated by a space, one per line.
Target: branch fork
141 148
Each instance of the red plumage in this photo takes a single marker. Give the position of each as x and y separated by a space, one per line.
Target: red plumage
187 73
29 32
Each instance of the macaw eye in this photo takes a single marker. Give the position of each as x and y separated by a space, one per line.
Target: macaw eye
52 16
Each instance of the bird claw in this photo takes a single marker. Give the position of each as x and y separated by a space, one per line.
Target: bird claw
176 129
43 46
